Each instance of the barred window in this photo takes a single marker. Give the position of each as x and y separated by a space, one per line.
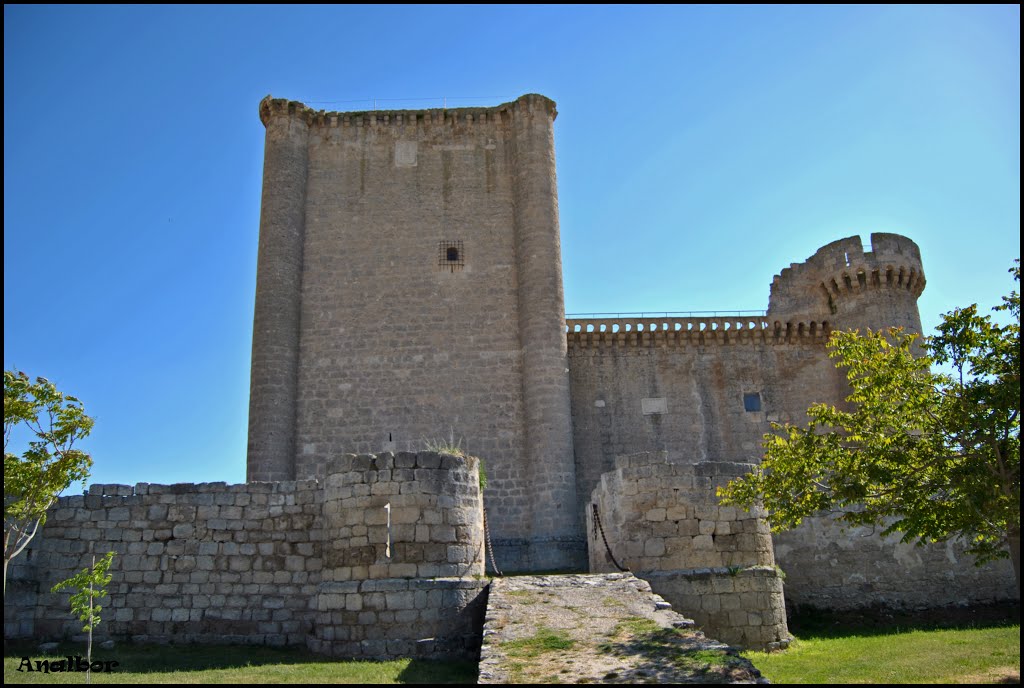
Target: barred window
451 256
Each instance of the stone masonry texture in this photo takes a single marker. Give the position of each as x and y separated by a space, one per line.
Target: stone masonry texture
384 560
662 521
707 390
410 289
409 292
620 631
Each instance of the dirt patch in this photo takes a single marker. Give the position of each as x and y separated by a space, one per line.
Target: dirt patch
1007 675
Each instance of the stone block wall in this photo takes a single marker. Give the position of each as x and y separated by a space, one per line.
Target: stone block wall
404 549
403 516
701 389
831 565
272 563
714 563
745 606
662 516
195 563
409 287
400 617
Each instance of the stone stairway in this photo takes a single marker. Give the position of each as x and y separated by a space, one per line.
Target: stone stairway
597 628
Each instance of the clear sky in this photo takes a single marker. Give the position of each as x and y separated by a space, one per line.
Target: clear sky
700 151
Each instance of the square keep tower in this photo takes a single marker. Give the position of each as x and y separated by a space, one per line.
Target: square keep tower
410 288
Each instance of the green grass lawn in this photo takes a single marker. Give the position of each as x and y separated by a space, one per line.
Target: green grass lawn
233 664
893 655
826 651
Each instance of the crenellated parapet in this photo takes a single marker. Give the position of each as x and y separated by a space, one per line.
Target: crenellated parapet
852 287
647 331
273 108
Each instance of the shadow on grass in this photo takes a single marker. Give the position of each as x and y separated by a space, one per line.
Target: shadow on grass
159 658
666 655
808 622
430 671
145 659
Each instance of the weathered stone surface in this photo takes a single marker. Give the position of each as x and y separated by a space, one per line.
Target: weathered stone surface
612 628
371 335
410 288
704 575
723 381
413 258
184 583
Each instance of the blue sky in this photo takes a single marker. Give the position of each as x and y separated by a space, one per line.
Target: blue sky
700 151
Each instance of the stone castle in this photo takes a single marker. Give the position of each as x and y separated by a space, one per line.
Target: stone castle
409 289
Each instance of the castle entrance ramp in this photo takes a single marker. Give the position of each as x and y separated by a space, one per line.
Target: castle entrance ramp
597 628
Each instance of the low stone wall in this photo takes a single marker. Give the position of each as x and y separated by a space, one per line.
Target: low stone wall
665 516
261 563
744 606
833 565
715 563
403 552
231 563
373 618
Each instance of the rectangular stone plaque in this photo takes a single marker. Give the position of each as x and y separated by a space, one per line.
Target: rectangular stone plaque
653 405
405 154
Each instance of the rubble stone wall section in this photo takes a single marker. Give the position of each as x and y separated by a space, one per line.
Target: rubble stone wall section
661 516
403 551
744 606
715 563
833 565
702 389
403 516
201 562
271 563
400 617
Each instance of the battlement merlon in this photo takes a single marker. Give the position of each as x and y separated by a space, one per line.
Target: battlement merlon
842 277
271 107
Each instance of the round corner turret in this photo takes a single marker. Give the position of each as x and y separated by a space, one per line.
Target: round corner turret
534 101
853 288
271 107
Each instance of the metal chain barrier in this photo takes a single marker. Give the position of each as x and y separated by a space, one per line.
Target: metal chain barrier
490 548
598 526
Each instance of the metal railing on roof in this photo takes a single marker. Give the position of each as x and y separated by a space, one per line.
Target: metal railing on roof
667 314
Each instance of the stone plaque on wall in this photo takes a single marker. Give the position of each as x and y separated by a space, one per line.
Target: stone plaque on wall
653 405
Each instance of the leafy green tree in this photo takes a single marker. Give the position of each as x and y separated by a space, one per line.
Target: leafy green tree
927 454
34 480
90 584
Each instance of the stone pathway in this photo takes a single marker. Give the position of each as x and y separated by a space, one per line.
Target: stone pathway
597 628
